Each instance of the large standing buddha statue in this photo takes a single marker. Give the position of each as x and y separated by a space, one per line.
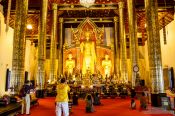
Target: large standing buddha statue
89 56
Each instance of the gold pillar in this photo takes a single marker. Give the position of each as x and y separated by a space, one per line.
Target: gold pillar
133 38
60 51
53 44
116 53
42 45
19 44
154 48
8 14
123 56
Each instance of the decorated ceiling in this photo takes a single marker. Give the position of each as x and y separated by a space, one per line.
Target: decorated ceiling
102 11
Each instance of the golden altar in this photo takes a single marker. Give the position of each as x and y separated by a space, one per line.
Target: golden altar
88 50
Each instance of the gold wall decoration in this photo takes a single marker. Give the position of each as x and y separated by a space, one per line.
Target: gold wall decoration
87 25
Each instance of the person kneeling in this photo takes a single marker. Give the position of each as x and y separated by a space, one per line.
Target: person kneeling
75 98
89 104
133 104
143 102
97 99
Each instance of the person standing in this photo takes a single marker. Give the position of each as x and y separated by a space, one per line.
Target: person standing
22 96
62 98
27 97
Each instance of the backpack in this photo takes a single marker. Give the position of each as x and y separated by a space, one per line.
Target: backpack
22 92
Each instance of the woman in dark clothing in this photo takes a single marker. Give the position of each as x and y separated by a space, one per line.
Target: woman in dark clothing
75 98
133 94
143 101
97 99
89 104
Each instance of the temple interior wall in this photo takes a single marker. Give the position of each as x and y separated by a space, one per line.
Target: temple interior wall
168 50
6 50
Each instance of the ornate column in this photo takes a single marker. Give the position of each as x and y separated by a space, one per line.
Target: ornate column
19 44
8 14
123 55
53 47
60 51
154 48
116 53
42 46
133 38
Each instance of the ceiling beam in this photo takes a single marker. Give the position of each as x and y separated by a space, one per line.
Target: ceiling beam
95 20
93 7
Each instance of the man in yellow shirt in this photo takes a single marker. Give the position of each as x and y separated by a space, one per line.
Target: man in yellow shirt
62 98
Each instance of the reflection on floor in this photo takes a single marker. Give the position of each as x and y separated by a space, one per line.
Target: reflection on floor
109 107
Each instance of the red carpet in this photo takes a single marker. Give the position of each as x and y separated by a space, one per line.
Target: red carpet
109 107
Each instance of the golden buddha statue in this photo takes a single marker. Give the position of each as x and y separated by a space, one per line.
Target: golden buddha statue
106 64
89 56
70 64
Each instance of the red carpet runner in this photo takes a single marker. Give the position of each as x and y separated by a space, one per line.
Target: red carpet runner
109 107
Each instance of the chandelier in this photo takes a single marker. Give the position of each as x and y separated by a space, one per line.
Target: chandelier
87 3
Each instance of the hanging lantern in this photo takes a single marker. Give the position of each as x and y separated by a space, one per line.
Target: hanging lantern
87 3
